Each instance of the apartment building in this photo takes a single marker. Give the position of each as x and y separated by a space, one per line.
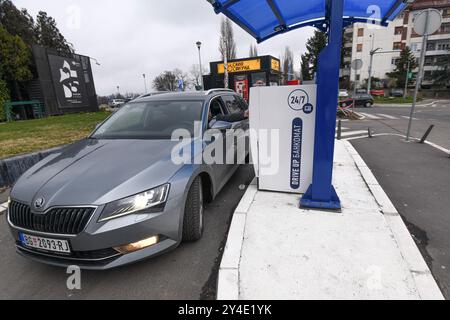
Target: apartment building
361 39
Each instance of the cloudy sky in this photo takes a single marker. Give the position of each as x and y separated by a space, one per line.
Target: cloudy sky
133 37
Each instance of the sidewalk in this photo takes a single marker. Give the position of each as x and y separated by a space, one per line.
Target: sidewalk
277 251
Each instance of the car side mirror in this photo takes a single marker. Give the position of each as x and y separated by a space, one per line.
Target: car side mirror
220 125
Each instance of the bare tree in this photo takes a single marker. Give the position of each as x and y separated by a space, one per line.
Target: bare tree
167 81
227 46
253 51
182 76
196 76
288 64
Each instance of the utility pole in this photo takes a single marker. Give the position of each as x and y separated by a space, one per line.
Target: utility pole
372 52
405 94
199 45
145 83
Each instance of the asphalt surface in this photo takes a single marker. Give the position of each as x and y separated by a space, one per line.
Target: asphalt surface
416 177
187 273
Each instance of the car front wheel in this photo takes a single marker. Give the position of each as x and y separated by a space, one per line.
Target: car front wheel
193 212
368 104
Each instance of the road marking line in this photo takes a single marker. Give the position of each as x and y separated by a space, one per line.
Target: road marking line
352 133
387 116
370 116
406 117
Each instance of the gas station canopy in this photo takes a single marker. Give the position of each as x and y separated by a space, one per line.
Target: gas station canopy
264 19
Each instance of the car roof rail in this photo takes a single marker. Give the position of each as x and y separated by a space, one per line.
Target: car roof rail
207 93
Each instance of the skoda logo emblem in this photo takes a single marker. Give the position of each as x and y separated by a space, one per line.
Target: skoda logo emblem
39 203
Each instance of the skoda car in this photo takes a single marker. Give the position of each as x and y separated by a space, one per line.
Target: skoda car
118 197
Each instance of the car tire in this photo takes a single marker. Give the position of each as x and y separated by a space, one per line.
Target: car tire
368 104
193 212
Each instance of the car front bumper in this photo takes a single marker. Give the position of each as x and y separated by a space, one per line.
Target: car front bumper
93 249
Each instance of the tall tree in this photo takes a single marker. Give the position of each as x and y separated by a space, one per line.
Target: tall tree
288 64
17 22
167 81
314 46
48 34
401 67
306 69
227 46
442 75
253 51
196 76
15 60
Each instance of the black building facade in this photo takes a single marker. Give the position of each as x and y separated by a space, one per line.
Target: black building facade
64 82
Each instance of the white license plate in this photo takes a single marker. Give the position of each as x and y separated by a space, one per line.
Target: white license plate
53 245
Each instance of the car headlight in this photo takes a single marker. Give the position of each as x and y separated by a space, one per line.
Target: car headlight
149 201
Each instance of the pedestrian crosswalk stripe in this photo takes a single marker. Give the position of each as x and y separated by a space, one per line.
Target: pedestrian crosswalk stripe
370 116
387 116
351 133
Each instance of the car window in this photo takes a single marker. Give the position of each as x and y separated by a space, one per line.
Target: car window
216 108
232 104
151 120
242 103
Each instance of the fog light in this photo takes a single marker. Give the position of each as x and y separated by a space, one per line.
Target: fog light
132 247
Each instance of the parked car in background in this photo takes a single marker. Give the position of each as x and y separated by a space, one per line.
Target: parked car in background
398 93
361 100
116 103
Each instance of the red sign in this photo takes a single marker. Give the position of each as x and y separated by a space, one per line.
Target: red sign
293 82
241 86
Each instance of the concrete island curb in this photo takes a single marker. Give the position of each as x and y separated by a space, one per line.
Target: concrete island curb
229 273
228 280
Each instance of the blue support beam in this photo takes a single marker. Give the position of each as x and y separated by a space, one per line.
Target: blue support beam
321 194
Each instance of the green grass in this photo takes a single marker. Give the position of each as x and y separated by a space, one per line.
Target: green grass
35 135
393 100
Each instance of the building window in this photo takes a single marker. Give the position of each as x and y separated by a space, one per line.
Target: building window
443 46
359 47
397 45
361 32
398 31
446 13
394 61
358 77
431 46
445 28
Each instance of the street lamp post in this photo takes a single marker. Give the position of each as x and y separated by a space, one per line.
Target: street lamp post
145 83
199 46
405 94
372 54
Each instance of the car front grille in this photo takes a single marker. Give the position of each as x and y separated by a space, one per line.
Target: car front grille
68 221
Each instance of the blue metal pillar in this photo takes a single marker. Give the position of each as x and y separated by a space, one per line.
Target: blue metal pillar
321 194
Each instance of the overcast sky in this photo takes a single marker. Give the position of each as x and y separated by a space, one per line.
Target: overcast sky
133 37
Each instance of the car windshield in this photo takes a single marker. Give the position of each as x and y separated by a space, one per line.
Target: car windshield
153 120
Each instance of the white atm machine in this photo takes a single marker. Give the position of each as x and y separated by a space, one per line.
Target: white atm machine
282 122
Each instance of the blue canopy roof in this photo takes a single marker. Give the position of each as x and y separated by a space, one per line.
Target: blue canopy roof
264 19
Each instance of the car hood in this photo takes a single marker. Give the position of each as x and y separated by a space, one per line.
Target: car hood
95 172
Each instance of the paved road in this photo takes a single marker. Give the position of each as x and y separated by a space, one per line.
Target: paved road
395 120
416 177
189 272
